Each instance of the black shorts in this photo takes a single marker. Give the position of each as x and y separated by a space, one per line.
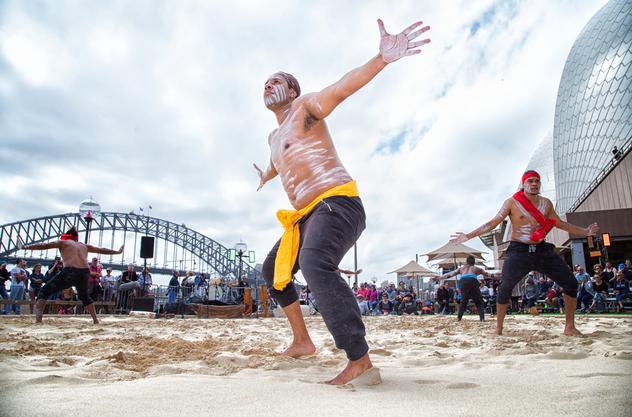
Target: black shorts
522 258
68 277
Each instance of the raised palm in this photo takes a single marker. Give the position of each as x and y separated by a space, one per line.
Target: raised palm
459 237
393 47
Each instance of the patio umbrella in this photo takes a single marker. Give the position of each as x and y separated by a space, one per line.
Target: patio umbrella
453 251
453 261
414 270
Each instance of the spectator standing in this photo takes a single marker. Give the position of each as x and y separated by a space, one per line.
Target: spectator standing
109 283
95 291
585 294
4 277
129 280
145 281
54 268
174 287
18 286
187 285
37 280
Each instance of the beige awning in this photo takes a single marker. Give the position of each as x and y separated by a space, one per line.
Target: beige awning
414 269
454 251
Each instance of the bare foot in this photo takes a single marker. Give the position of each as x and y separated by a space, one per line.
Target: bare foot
499 332
356 369
96 321
296 349
572 331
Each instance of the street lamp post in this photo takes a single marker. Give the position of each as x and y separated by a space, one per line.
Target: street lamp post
89 209
240 249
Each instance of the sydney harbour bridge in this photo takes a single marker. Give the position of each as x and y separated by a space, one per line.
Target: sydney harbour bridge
176 247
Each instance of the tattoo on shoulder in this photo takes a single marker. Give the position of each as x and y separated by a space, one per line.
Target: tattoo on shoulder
309 121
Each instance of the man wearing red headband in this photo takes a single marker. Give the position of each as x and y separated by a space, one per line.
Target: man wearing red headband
75 272
532 217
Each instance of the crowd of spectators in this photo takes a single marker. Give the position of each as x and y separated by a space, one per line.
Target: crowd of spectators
608 283
608 286
107 287
390 299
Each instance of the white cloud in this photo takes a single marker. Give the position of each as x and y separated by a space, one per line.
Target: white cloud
161 103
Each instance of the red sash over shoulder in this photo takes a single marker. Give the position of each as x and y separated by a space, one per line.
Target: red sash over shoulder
545 224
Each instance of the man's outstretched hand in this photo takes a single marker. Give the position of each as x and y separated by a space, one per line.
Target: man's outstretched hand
592 229
459 237
260 173
393 47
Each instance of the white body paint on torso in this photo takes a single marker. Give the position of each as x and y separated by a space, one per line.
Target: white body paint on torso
305 159
526 224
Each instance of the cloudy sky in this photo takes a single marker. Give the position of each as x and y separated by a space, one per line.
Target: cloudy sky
160 103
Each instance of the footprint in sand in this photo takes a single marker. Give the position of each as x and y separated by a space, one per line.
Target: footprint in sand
623 355
463 385
596 374
425 382
382 352
566 355
52 379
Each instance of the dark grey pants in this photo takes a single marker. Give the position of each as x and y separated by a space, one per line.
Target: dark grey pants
327 233
470 290
522 258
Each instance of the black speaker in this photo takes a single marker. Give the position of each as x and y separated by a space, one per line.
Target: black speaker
143 304
146 247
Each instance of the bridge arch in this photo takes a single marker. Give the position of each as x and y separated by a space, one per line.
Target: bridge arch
43 229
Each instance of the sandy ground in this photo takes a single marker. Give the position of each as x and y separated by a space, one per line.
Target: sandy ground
430 366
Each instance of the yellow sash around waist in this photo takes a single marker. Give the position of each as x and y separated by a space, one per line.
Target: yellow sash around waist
288 249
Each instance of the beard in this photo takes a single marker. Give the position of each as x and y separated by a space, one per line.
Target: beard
534 191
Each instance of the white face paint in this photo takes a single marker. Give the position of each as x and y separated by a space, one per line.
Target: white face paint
278 96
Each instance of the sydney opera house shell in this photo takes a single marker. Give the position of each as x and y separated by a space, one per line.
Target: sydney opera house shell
586 166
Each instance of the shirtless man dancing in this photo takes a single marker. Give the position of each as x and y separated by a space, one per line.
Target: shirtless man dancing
532 217
75 272
328 216
470 288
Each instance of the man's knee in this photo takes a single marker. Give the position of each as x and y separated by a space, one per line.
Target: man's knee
314 264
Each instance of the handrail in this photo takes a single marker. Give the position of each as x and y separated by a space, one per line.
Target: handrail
602 175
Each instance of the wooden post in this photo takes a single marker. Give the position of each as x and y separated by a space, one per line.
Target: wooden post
248 301
263 300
